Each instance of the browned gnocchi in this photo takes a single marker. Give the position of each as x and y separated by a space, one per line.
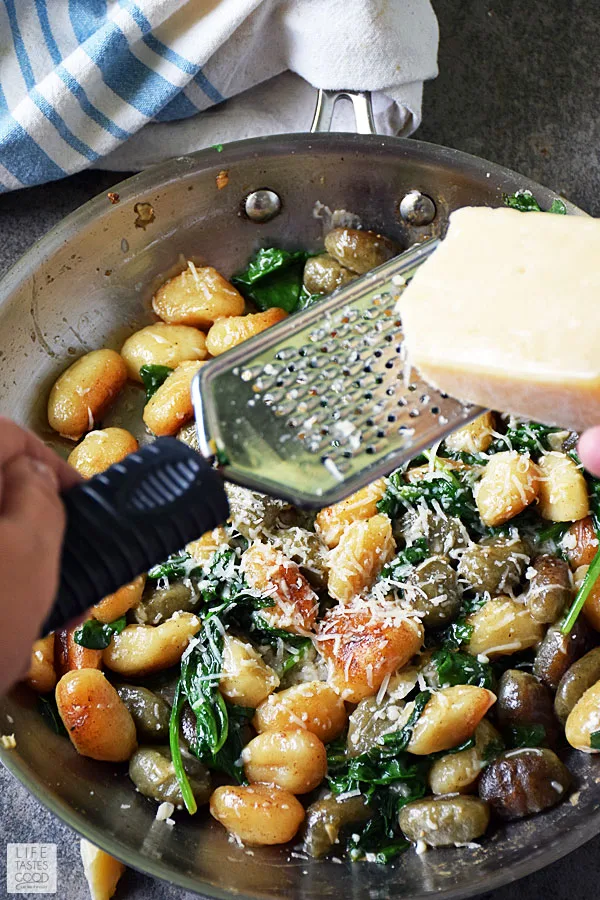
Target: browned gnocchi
198 296
84 392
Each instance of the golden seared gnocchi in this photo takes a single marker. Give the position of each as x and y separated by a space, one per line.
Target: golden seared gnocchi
503 626
246 680
203 549
449 718
475 437
295 604
584 721
312 705
171 406
141 649
116 605
332 521
580 543
293 760
228 333
97 721
510 482
198 296
101 449
363 549
563 494
259 814
41 675
162 345
364 646
83 393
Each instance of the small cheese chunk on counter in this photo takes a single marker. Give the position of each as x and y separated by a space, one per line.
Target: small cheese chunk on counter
506 314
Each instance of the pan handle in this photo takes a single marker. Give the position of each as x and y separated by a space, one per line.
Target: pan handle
361 102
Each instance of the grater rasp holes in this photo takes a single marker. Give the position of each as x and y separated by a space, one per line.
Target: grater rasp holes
343 391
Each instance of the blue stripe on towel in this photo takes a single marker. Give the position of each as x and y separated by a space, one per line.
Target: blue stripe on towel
71 83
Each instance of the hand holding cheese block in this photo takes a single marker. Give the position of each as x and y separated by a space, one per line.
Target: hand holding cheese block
506 314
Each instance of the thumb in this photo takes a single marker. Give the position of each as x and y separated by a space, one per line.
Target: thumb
29 491
589 450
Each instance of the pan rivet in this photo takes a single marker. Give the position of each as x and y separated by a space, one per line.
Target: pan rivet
262 205
417 208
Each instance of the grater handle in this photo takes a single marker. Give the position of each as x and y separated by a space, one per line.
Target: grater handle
127 519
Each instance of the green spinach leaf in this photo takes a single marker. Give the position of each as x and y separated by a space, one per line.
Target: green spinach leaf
454 667
273 277
527 437
456 635
50 714
454 497
175 567
595 740
97 635
152 378
518 736
403 562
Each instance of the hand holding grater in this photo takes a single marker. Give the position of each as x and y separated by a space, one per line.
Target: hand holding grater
310 410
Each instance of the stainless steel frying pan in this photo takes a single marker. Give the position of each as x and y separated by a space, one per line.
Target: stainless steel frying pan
87 284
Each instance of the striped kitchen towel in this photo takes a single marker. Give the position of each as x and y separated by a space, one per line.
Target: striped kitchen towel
123 84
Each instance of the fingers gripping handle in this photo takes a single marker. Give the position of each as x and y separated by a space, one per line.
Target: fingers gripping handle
129 518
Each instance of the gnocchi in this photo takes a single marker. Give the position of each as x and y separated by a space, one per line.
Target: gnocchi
563 495
97 721
246 679
141 649
198 296
81 395
171 406
363 647
259 814
362 551
101 449
293 760
510 482
229 332
332 521
313 706
162 345
295 603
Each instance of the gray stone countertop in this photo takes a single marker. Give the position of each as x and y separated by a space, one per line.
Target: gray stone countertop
518 85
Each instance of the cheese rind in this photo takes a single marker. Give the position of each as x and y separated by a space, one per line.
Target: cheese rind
506 314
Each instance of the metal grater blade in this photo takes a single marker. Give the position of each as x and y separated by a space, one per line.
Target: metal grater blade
320 405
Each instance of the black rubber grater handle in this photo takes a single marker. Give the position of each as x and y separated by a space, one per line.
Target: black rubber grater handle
131 517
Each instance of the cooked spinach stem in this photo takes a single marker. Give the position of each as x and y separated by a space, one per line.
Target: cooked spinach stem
583 593
180 773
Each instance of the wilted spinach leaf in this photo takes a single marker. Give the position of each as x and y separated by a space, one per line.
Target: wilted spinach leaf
152 378
454 667
517 736
455 497
273 277
97 635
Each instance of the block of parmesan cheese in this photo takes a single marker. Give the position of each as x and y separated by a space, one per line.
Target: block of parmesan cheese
506 314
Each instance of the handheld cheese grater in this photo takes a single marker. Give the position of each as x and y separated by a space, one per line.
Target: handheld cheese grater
310 411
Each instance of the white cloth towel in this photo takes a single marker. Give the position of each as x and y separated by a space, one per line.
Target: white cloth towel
121 85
